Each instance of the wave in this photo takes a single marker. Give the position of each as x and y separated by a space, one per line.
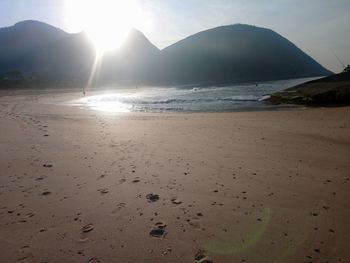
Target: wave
193 100
223 98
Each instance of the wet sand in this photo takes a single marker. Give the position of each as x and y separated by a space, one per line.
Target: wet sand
83 186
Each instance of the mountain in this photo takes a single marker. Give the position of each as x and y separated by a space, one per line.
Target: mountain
134 63
21 40
235 53
69 58
54 56
227 54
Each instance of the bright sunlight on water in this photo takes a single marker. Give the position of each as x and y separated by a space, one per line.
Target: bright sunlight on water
194 99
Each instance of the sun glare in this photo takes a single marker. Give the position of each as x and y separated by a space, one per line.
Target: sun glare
106 22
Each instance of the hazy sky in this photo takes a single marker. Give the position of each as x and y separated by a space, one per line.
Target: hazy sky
318 27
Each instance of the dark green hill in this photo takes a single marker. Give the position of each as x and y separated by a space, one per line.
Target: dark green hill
133 64
236 53
223 55
19 42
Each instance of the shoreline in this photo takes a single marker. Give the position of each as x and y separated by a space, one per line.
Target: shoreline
70 96
76 184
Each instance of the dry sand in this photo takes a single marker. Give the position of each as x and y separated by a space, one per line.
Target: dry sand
84 186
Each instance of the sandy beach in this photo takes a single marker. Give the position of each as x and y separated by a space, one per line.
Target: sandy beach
77 185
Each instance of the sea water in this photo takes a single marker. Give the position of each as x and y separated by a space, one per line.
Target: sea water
187 99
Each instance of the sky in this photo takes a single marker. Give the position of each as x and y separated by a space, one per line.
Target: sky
321 28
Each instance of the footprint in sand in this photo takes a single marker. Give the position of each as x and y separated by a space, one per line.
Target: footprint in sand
121 181
194 222
101 176
85 230
47 165
25 254
158 230
152 198
25 218
201 257
176 201
42 177
93 260
103 190
119 207
46 193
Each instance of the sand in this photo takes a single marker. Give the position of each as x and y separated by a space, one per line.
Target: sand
83 186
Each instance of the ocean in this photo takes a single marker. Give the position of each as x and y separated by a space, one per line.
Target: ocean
242 97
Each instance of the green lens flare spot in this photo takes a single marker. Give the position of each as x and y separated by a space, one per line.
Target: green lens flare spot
249 241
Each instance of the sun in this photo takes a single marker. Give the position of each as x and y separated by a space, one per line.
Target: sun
106 22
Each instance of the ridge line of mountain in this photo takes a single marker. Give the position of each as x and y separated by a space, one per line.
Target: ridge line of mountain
225 54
